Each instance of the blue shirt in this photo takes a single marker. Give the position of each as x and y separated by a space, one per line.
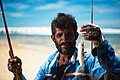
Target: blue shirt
96 64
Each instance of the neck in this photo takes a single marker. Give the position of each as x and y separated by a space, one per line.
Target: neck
64 59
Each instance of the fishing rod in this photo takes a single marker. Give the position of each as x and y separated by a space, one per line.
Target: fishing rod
81 44
8 37
80 55
91 21
6 29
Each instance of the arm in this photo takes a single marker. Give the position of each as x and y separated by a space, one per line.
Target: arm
41 72
106 59
48 67
14 65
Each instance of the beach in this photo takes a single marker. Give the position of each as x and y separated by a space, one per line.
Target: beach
33 50
32 56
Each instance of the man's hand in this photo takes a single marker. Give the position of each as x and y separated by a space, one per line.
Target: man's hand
14 65
93 33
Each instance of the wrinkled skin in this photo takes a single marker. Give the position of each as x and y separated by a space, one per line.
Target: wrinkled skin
65 40
14 65
91 32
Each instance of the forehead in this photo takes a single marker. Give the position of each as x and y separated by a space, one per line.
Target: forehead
63 30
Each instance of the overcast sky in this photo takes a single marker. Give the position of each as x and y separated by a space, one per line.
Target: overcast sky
26 13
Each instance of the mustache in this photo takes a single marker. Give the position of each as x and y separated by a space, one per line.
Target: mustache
65 43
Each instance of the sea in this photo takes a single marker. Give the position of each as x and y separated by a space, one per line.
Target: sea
35 36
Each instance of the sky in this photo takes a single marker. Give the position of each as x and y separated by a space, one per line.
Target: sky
30 13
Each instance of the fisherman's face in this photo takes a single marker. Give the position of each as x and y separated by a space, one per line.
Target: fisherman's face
65 40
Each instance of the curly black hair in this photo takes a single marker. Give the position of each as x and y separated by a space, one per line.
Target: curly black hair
64 21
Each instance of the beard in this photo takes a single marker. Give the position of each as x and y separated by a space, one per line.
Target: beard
68 49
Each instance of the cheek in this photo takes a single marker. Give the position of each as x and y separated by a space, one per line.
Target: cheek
57 42
72 39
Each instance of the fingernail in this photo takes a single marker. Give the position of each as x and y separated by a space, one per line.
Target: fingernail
15 59
11 60
18 64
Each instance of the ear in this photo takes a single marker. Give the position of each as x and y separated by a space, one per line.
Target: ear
76 35
53 38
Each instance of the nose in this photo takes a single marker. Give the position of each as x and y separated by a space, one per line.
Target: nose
65 38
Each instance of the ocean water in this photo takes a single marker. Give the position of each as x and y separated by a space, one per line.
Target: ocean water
35 36
46 39
111 34
113 38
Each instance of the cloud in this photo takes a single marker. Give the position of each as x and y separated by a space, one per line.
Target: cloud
17 6
34 1
78 8
15 14
106 9
51 6
111 23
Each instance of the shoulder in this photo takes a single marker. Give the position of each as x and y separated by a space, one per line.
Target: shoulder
49 62
53 55
89 58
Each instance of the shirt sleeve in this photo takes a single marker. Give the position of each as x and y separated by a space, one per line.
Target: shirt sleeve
46 67
23 77
93 67
41 72
107 57
102 60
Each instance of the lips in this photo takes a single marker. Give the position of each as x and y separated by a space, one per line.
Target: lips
65 45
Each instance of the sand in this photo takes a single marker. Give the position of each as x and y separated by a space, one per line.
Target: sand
32 57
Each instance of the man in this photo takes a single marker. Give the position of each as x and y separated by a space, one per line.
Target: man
102 63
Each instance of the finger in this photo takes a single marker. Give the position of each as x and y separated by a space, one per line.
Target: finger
83 26
87 29
13 67
86 38
92 25
19 65
10 68
15 59
88 34
11 60
83 29
90 38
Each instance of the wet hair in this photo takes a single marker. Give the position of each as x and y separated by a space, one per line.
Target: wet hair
64 21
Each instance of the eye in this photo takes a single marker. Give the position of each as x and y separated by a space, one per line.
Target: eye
59 35
69 34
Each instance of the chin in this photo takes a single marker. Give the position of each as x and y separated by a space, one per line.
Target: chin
67 52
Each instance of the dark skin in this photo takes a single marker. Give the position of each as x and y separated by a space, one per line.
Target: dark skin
14 65
64 40
92 33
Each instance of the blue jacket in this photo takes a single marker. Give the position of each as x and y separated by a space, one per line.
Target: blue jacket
96 64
